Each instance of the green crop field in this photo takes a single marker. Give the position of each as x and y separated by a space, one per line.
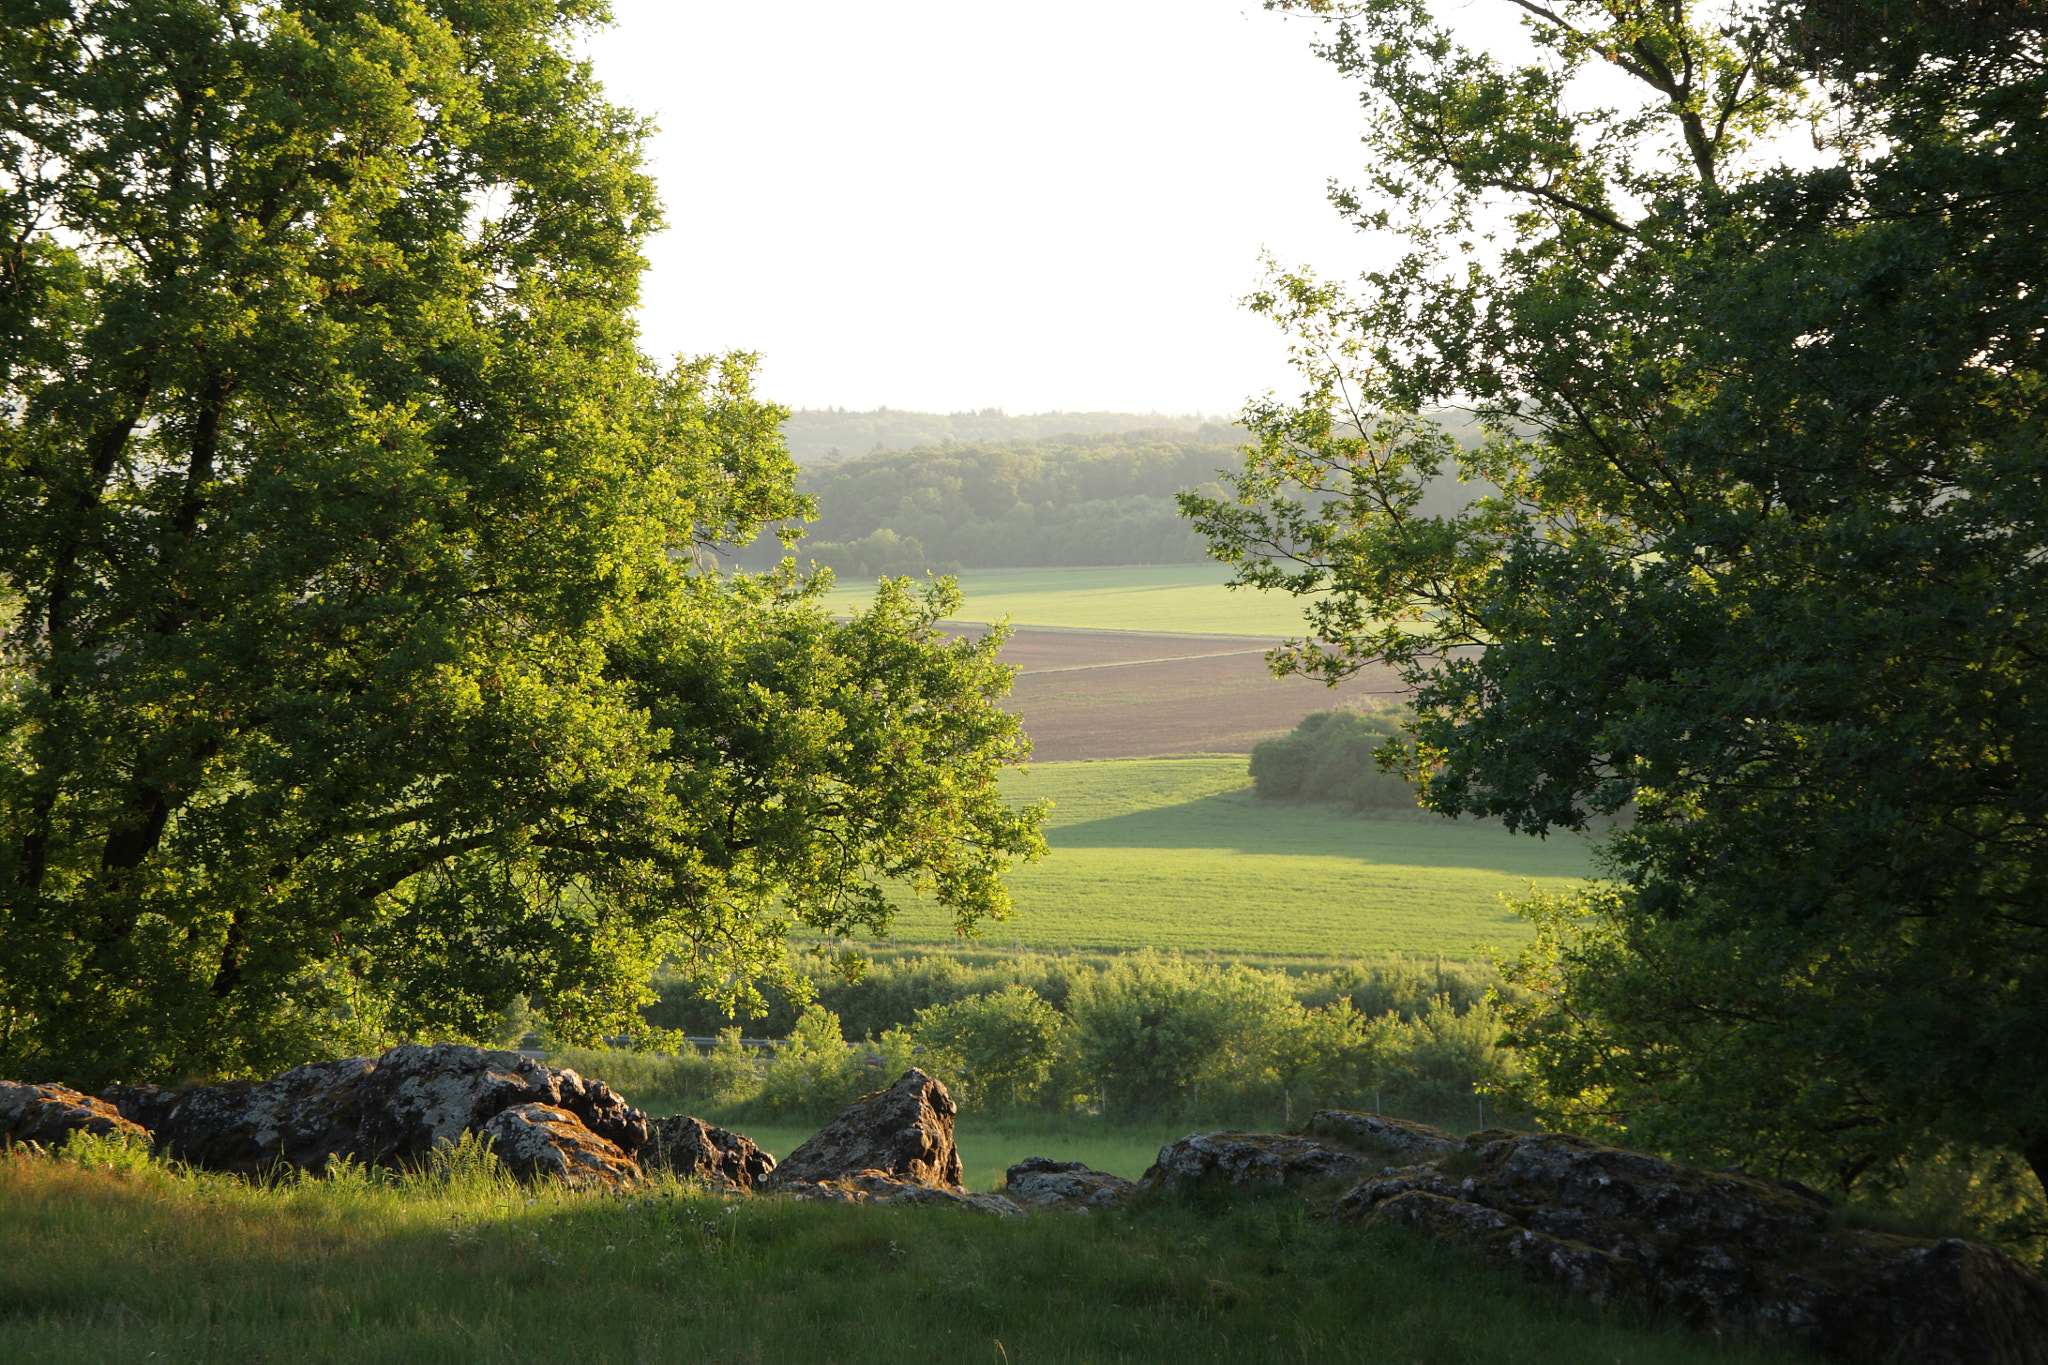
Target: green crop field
1187 599
1177 853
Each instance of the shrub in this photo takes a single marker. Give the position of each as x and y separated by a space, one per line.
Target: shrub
1332 756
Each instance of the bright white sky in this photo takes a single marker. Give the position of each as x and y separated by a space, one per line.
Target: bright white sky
945 206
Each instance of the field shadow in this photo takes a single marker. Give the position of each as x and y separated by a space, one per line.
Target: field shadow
1235 822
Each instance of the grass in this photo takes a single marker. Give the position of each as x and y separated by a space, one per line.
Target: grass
1184 599
1177 853
147 1265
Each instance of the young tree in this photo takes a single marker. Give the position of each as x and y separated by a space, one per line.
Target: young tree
1765 555
360 673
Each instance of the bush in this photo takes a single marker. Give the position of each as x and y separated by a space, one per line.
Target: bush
1332 756
1139 1038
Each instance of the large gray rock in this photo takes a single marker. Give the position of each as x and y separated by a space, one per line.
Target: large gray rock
694 1150
545 1141
878 1187
1400 1141
300 1120
905 1133
390 1111
1067 1186
1725 1252
50 1114
1248 1159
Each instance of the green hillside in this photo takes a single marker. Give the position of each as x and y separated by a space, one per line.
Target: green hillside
1176 853
1186 599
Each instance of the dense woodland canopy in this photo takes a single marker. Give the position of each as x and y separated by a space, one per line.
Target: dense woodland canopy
1769 557
359 673
1064 501
836 433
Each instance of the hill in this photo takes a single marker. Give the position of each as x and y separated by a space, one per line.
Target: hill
964 495
833 433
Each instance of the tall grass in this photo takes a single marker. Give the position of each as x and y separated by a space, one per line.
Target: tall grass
103 1260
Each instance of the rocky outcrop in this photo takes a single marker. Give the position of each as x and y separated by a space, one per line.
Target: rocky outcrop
878 1187
1255 1159
50 1114
388 1111
545 1141
1399 1141
416 1097
904 1133
694 1150
1065 1186
1725 1252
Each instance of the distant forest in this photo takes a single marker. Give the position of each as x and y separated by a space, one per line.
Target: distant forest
837 433
1069 499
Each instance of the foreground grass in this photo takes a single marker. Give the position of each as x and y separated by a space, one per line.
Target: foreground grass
1177 853
1184 599
101 1264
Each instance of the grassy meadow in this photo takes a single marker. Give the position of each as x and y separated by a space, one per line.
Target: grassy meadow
1184 599
136 1263
1177 853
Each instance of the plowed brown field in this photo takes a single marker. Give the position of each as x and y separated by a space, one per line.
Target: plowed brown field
1112 694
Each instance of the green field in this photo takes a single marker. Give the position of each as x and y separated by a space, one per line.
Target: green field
1186 599
1176 853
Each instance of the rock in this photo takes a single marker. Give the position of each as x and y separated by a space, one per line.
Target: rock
390 1111
905 1133
417 1097
1234 1158
546 1141
694 1150
300 1120
50 1114
1399 1140
1725 1252
879 1187
1040 1183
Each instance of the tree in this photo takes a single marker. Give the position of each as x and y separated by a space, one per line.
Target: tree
1005 1042
1765 558
361 676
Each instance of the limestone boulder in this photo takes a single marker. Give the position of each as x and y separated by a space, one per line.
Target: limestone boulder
879 1187
391 1110
417 1097
905 1133
50 1114
1249 1159
1399 1141
1723 1251
547 1142
1064 1186
300 1120
694 1150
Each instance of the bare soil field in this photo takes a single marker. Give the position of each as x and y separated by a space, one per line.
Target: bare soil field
1133 694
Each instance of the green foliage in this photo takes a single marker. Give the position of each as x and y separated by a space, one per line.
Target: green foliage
360 676
1766 556
1138 1038
1333 756
997 1049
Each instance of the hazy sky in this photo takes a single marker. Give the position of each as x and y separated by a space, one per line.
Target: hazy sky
958 205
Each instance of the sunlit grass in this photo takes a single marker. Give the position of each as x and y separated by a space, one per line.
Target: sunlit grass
99 1265
1177 853
1186 599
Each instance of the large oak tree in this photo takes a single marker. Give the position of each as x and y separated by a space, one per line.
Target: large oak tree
360 671
1763 559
